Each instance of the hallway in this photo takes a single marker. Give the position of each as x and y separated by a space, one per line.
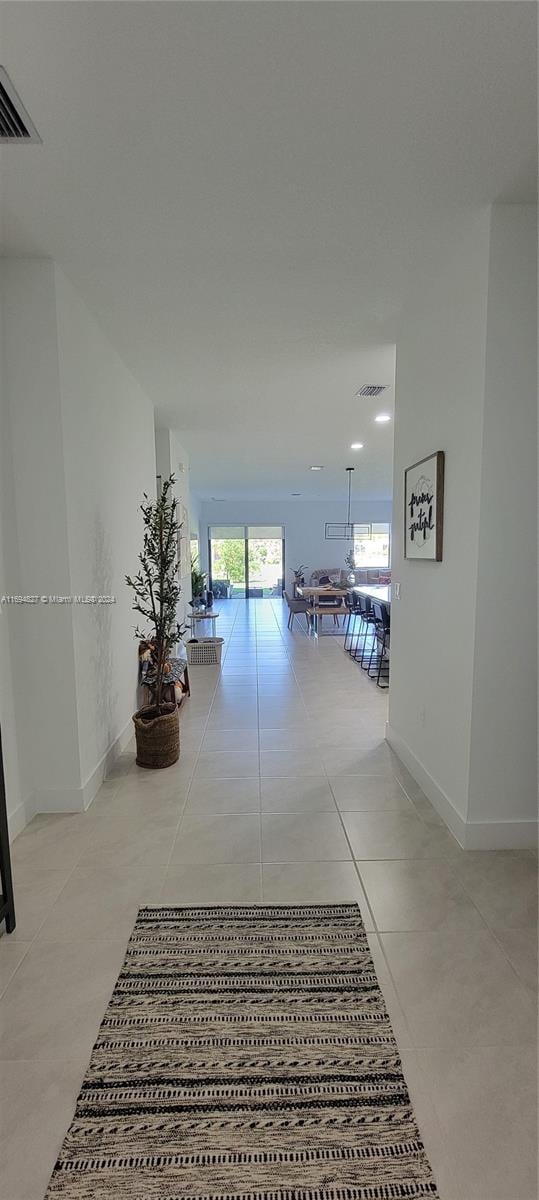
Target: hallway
285 792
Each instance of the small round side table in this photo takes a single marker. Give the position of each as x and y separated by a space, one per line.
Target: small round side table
210 615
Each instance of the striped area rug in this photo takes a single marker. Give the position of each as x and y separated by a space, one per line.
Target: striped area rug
246 1054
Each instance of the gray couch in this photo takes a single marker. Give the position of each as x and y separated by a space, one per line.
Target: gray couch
363 576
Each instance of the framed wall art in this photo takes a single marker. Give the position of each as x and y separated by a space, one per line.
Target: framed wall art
424 508
184 543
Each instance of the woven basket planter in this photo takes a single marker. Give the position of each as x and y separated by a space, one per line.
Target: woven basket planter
158 738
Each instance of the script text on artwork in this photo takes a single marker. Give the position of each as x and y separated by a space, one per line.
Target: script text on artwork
421 513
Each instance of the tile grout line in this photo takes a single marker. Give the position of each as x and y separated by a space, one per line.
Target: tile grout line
190 783
37 932
337 810
377 934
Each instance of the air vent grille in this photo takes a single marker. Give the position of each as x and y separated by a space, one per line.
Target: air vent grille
372 389
15 124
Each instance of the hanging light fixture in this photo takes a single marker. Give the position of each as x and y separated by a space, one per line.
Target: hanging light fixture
343 530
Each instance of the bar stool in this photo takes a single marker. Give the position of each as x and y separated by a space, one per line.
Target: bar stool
368 622
353 611
381 641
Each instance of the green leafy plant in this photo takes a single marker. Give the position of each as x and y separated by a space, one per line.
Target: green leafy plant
350 560
198 578
156 585
298 573
228 559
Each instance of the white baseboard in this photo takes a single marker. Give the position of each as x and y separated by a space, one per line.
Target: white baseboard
20 818
501 835
61 800
437 797
99 774
58 800
471 835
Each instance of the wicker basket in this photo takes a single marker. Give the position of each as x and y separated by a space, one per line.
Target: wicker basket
205 651
158 738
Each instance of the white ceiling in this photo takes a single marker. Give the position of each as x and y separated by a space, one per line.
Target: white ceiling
243 191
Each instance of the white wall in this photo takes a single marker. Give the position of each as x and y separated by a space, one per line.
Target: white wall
503 759
81 449
172 458
108 446
304 525
444 401
17 784
35 536
194 516
438 406
17 790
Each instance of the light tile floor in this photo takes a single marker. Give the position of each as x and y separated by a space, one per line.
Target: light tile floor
285 791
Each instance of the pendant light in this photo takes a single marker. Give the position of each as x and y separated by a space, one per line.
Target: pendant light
343 530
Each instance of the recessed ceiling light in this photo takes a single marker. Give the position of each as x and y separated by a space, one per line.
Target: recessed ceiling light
317 468
382 418
356 446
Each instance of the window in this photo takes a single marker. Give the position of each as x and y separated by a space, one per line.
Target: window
247 560
372 547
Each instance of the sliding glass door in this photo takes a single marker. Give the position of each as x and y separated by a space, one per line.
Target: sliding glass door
247 560
228 567
265 553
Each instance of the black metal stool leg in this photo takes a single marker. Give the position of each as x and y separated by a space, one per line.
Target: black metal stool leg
373 647
354 640
371 626
381 659
7 902
358 652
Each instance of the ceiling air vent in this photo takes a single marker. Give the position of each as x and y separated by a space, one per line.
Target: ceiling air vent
372 389
15 124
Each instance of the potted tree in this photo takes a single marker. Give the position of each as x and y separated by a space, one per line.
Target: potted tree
350 561
299 577
156 592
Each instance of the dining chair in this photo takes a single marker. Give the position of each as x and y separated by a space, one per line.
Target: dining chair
295 608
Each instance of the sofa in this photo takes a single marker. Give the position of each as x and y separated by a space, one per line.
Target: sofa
335 574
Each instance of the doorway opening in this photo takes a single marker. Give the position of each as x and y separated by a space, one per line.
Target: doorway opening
246 560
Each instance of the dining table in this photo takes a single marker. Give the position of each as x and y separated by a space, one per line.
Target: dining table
380 592
324 591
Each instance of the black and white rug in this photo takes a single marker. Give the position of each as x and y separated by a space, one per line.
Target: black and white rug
246 1053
